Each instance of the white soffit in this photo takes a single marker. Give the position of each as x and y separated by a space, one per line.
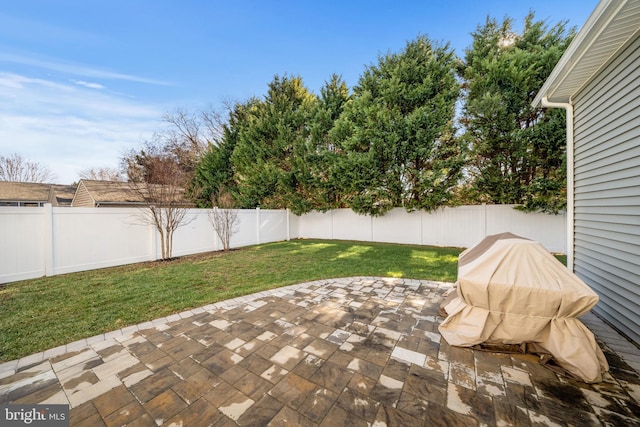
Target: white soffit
610 27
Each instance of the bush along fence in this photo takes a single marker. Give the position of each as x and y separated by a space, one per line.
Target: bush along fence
46 241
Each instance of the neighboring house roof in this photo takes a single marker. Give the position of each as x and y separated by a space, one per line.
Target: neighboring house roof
610 27
30 193
63 194
106 193
92 193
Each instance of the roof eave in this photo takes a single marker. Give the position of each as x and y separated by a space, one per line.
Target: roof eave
597 22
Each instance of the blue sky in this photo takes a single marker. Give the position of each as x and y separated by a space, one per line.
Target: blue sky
83 81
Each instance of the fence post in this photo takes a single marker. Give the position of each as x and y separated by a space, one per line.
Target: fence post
422 226
154 243
47 243
371 228
484 213
288 226
213 218
258 225
331 214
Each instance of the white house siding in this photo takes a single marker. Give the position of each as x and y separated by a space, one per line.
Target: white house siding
607 189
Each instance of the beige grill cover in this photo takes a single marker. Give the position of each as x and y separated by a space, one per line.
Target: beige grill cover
512 291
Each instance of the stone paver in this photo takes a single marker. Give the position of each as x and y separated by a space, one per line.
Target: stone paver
349 351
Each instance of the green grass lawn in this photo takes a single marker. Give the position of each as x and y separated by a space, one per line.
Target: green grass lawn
39 314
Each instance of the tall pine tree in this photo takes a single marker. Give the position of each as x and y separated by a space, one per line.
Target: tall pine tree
395 138
517 151
266 146
314 162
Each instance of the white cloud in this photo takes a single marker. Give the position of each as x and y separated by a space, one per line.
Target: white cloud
88 84
17 81
74 69
70 127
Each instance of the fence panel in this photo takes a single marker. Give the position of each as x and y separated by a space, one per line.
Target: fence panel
398 226
348 225
90 238
549 230
273 225
21 251
247 233
314 225
197 235
47 241
462 226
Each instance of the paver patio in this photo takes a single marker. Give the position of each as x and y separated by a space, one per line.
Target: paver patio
343 352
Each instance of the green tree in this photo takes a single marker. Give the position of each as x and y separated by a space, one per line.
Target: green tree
215 175
264 152
395 138
314 162
517 151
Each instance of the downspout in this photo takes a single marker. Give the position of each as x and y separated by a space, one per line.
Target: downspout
570 172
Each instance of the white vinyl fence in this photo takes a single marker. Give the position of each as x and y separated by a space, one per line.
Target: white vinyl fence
46 241
462 226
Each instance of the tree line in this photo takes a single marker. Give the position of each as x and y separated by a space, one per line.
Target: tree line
421 129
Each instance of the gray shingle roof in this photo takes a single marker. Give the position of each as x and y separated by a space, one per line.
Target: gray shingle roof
25 192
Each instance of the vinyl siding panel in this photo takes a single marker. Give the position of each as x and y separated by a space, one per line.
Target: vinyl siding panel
607 189
82 198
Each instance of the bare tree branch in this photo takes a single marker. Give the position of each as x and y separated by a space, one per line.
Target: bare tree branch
213 122
224 218
184 141
16 168
164 196
101 174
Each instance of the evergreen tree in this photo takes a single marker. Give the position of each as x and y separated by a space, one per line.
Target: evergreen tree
314 164
267 140
518 152
214 175
395 138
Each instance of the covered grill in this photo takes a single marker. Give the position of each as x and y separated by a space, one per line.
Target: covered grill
511 290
